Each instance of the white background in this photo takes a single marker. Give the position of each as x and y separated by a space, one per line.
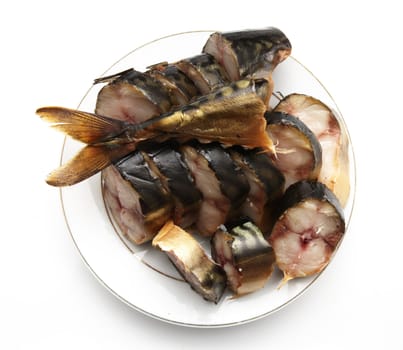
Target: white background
51 52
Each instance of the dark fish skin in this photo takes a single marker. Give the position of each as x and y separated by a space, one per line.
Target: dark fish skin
245 255
253 49
233 182
270 179
164 162
180 87
304 190
136 198
177 179
135 169
266 172
204 71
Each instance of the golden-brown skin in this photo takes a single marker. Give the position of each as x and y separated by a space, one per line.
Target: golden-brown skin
198 269
233 115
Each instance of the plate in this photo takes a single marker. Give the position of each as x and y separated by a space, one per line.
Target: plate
141 276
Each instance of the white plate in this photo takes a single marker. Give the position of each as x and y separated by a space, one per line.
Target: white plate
142 277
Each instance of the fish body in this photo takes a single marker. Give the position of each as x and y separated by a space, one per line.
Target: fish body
232 115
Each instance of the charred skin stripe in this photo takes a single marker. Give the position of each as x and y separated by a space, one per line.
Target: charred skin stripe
309 227
202 273
245 256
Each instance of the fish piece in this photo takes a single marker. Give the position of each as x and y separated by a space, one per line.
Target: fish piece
197 268
177 179
232 180
266 185
215 205
231 115
332 137
181 88
204 71
246 257
298 152
136 198
249 53
132 96
309 227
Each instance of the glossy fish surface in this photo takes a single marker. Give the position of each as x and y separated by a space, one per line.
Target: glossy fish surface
192 152
136 198
245 256
232 115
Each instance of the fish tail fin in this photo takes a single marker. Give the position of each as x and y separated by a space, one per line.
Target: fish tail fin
87 162
82 126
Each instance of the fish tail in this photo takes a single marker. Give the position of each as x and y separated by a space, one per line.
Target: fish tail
82 126
87 162
107 141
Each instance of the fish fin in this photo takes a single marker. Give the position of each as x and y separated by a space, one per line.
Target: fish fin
82 126
110 78
87 162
